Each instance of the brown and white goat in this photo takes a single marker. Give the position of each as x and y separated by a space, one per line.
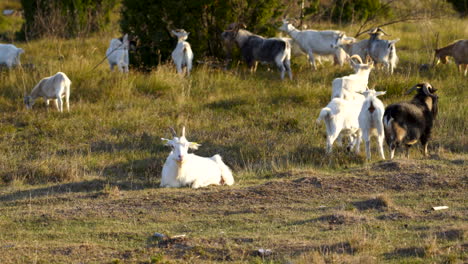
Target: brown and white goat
458 50
407 123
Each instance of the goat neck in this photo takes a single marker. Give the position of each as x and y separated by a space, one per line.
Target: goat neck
292 31
241 36
37 90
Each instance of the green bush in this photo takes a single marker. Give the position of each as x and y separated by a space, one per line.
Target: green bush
346 11
150 21
64 18
460 5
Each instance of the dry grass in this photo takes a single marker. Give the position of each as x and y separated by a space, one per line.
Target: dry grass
82 186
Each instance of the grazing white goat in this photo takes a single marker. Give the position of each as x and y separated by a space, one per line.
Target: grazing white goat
341 117
347 87
314 41
54 87
382 51
117 54
458 50
370 120
351 46
182 54
10 55
186 169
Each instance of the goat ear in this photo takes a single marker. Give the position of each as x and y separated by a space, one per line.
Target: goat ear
380 93
166 141
194 145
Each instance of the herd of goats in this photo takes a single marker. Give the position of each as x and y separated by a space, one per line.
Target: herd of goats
354 110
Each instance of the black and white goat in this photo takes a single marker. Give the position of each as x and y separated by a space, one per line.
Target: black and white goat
409 122
256 48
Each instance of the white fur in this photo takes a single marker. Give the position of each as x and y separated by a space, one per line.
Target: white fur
353 47
10 55
346 87
182 54
341 117
370 120
383 51
314 41
184 169
117 54
54 87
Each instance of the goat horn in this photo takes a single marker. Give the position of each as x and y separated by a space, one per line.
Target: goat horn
372 31
381 30
355 56
183 131
425 88
174 134
414 88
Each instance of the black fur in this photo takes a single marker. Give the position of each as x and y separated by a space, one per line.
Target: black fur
414 116
257 48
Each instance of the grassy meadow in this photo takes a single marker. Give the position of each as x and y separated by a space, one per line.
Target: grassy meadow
82 187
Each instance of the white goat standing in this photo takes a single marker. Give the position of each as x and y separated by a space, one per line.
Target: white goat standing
117 54
186 169
54 87
382 51
314 42
351 46
10 55
182 54
370 120
346 87
341 117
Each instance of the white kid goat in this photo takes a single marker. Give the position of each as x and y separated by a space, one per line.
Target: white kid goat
370 120
346 87
10 55
54 87
186 169
314 41
341 117
182 54
117 54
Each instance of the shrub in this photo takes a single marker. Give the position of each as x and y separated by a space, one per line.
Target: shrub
65 18
150 22
461 6
350 11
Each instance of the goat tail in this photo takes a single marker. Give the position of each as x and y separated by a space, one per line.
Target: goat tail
324 114
392 57
287 50
226 173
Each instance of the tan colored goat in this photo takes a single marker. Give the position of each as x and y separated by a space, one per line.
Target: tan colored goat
458 50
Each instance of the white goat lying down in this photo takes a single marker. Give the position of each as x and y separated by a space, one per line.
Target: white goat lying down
182 54
10 55
186 169
370 120
54 87
346 87
117 54
341 116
